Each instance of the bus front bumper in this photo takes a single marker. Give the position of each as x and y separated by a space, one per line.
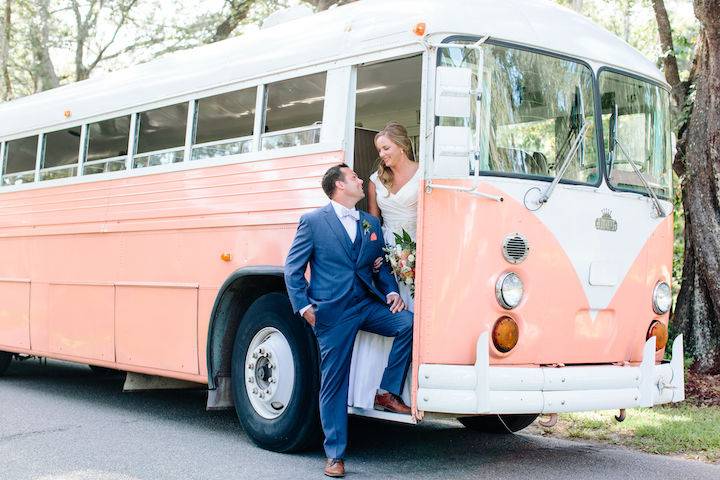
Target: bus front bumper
480 388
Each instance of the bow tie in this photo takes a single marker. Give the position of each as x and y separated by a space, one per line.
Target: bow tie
346 212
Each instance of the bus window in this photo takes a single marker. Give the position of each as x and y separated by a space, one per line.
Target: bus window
60 158
107 145
19 162
293 111
533 107
386 92
161 136
224 124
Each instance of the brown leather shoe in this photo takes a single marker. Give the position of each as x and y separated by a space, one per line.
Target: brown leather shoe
391 403
334 467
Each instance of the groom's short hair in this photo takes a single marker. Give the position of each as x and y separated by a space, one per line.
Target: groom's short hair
331 176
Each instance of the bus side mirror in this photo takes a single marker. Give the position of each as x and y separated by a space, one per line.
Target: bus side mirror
452 152
452 92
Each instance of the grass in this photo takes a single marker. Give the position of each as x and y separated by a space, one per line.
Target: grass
683 430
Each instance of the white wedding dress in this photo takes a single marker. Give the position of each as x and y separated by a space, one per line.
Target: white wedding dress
371 351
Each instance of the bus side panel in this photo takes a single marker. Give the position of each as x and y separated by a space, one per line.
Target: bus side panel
15 313
81 320
156 327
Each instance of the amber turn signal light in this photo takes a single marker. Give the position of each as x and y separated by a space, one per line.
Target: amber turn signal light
659 331
419 29
505 334
225 256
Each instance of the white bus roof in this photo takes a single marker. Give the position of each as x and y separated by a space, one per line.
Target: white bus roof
355 29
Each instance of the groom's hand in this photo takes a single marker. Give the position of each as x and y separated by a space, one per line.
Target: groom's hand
395 302
309 316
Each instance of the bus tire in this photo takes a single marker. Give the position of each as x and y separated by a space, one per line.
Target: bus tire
275 376
498 424
5 359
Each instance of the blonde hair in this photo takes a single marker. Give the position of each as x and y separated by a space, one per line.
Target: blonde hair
398 135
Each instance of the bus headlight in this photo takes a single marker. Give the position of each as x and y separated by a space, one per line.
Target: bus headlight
662 298
509 290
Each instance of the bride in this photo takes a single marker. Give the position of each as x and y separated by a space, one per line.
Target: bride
392 196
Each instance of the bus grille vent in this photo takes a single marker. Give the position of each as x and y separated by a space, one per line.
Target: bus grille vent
515 248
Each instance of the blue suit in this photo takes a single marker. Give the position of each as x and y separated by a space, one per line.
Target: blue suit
347 297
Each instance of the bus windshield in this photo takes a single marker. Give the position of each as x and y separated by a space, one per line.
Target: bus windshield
531 108
636 125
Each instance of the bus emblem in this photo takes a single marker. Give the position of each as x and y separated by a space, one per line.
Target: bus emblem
606 222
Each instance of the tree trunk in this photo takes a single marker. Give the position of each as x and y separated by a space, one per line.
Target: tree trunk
670 65
698 307
5 52
239 10
45 75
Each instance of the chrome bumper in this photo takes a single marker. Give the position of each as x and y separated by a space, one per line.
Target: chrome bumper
480 388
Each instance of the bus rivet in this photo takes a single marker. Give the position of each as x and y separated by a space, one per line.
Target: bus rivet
562 402
426 399
563 380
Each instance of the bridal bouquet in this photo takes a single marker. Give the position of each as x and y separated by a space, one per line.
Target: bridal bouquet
401 257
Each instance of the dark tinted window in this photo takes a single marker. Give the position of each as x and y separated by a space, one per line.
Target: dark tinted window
162 128
108 139
61 148
230 115
296 102
20 155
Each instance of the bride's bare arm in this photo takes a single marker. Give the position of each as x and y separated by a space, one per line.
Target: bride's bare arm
373 208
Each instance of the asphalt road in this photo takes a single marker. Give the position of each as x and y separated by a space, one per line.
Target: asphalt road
61 422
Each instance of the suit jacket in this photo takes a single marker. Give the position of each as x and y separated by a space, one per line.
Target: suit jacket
321 241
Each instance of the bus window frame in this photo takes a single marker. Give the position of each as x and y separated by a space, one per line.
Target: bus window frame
540 51
602 138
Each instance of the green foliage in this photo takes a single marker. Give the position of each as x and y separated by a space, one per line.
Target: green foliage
676 429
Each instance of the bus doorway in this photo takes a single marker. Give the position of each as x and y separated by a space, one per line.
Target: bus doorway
387 91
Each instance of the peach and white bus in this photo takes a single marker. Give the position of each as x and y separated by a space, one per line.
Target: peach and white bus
145 215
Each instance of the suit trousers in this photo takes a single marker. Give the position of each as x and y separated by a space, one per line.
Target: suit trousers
336 343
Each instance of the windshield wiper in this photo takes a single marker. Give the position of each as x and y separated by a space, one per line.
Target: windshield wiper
565 162
635 168
578 125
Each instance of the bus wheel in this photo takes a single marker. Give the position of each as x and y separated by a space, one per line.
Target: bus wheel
5 358
275 376
498 423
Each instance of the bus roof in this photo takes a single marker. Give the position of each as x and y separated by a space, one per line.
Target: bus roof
354 29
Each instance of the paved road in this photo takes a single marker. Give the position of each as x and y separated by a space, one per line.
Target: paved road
61 422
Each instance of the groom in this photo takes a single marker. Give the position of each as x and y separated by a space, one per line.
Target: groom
344 295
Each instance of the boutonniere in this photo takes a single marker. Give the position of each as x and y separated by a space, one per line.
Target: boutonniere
366 226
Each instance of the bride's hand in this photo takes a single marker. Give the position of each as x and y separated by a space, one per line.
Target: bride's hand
378 263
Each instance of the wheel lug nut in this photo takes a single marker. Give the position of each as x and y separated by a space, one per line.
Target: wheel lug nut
262 395
267 391
255 391
255 355
269 354
261 350
251 366
251 380
272 380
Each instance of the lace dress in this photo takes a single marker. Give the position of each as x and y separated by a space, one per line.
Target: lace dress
371 351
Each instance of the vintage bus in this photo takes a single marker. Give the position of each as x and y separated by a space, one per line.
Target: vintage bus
145 215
